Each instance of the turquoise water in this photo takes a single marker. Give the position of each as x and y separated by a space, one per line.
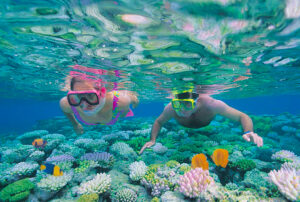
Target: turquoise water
245 53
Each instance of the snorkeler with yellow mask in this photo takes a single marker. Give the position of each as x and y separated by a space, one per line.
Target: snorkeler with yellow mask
194 110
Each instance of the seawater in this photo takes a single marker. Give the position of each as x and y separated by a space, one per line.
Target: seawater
244 53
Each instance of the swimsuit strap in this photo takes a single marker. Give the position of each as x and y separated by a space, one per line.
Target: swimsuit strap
116 114
77 115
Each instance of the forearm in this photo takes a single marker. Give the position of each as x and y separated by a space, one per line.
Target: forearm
71 118
246 123
155 130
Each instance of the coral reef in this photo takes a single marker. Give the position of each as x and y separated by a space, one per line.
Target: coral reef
17 191
137 170
195 182
99 184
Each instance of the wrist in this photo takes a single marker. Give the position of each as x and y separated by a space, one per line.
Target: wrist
249 131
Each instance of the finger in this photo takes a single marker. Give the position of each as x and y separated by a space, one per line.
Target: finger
246 137
260 142
143 148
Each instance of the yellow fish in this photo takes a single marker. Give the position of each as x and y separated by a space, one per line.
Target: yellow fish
220 157
51 169
199 161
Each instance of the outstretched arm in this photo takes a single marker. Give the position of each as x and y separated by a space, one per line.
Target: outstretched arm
65 107
165 116
223 109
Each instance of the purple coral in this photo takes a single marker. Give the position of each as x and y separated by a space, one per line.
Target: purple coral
194 182
97 156
60 158
157 188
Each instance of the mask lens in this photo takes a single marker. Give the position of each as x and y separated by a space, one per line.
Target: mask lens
176 104
74 99
188 105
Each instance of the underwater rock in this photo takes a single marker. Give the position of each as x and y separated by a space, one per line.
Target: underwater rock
171 196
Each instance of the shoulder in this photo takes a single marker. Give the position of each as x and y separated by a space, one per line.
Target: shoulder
64 105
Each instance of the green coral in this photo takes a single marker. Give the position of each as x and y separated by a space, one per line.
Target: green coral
172 164
88 198
17 191
137 143
243 165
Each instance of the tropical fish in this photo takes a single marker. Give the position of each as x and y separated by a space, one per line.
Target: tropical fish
220 157
51 169
39 143
200 161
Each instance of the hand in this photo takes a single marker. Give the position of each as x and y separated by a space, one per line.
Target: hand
147 145
253 137
78 129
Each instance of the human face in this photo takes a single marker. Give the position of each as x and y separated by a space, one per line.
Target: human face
185 105
86 96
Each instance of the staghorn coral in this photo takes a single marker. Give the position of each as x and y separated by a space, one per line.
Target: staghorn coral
195 182
138 170
99 184
287 182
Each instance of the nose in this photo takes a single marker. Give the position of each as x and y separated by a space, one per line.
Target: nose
84 104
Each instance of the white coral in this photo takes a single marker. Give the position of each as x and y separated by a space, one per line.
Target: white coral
24 168
54 183
99 184
138 170
288 182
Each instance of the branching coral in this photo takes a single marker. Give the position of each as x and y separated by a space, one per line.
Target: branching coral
195 182
137 170
99 184
288 182
54 183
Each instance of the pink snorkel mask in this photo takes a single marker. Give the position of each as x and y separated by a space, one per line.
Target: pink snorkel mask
92 97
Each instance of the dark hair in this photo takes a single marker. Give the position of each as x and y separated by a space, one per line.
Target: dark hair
73 81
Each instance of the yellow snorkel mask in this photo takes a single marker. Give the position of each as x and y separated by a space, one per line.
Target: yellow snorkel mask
184 100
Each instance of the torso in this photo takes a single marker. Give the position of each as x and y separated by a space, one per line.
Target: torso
202 117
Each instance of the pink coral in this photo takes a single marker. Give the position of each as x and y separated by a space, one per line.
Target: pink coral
195 182
287 182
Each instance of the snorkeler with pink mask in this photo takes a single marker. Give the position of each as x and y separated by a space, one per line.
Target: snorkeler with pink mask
89 103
